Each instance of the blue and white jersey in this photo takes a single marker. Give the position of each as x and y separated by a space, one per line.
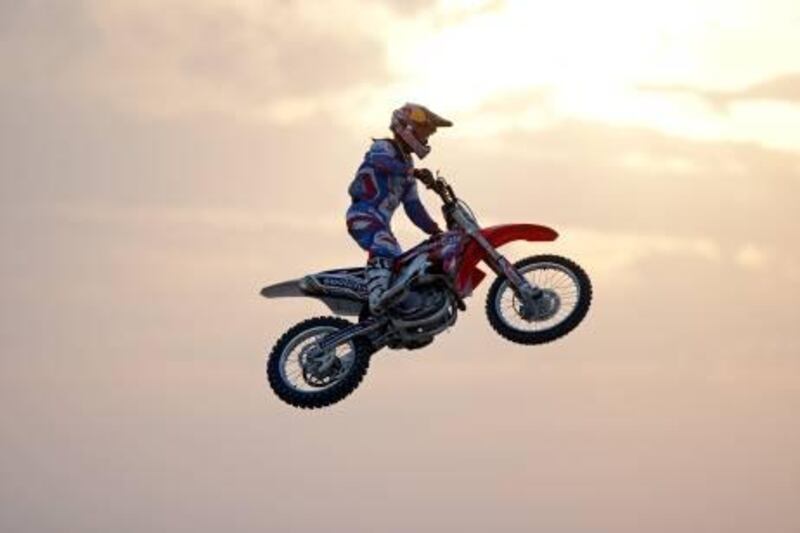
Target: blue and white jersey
385 180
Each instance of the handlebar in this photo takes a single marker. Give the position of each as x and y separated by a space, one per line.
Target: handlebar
440 186
456 212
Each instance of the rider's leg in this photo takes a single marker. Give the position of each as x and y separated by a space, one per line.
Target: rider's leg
372 235
383 250
379 276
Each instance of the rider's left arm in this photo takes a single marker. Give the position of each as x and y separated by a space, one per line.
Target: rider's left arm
416 211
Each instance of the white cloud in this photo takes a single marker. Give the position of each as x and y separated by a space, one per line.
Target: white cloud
617 255
592 60
645 163
182 57
285 62
752 257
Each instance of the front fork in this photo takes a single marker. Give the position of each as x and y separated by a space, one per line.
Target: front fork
527 292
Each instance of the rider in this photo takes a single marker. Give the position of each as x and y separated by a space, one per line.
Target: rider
383 181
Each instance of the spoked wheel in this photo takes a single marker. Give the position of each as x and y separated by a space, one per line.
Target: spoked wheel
566 296
304 376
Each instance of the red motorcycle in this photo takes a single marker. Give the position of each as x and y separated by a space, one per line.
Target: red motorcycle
533 301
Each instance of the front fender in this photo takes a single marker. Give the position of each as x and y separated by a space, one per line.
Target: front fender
469 275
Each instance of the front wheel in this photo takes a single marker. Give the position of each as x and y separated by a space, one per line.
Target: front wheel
566 296
304 376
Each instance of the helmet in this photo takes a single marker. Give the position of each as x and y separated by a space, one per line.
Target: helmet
414 123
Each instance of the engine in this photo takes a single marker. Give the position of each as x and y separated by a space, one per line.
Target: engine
426 311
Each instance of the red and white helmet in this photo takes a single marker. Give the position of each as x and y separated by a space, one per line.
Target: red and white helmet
414 123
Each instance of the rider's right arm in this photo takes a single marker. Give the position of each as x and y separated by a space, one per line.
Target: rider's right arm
417 212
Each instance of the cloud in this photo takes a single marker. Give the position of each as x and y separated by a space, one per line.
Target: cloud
455 12
782 88
408 7
613 179
42 44
614 257
140 216
162 58
752 257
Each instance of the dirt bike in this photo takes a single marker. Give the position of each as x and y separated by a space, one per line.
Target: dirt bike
536 300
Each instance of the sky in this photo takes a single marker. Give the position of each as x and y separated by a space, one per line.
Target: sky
161 161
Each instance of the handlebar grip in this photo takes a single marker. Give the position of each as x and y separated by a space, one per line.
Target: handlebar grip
425 176
437 184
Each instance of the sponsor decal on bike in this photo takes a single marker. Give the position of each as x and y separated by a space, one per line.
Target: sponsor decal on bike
340 282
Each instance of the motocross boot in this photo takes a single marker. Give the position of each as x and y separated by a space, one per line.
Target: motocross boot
378 274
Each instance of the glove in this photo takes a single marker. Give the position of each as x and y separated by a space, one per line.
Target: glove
425 176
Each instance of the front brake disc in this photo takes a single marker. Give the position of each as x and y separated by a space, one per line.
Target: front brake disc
544 307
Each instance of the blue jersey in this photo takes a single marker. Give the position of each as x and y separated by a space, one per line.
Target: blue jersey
385 180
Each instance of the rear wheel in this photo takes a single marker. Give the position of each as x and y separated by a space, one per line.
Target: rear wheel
566 297
303 376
